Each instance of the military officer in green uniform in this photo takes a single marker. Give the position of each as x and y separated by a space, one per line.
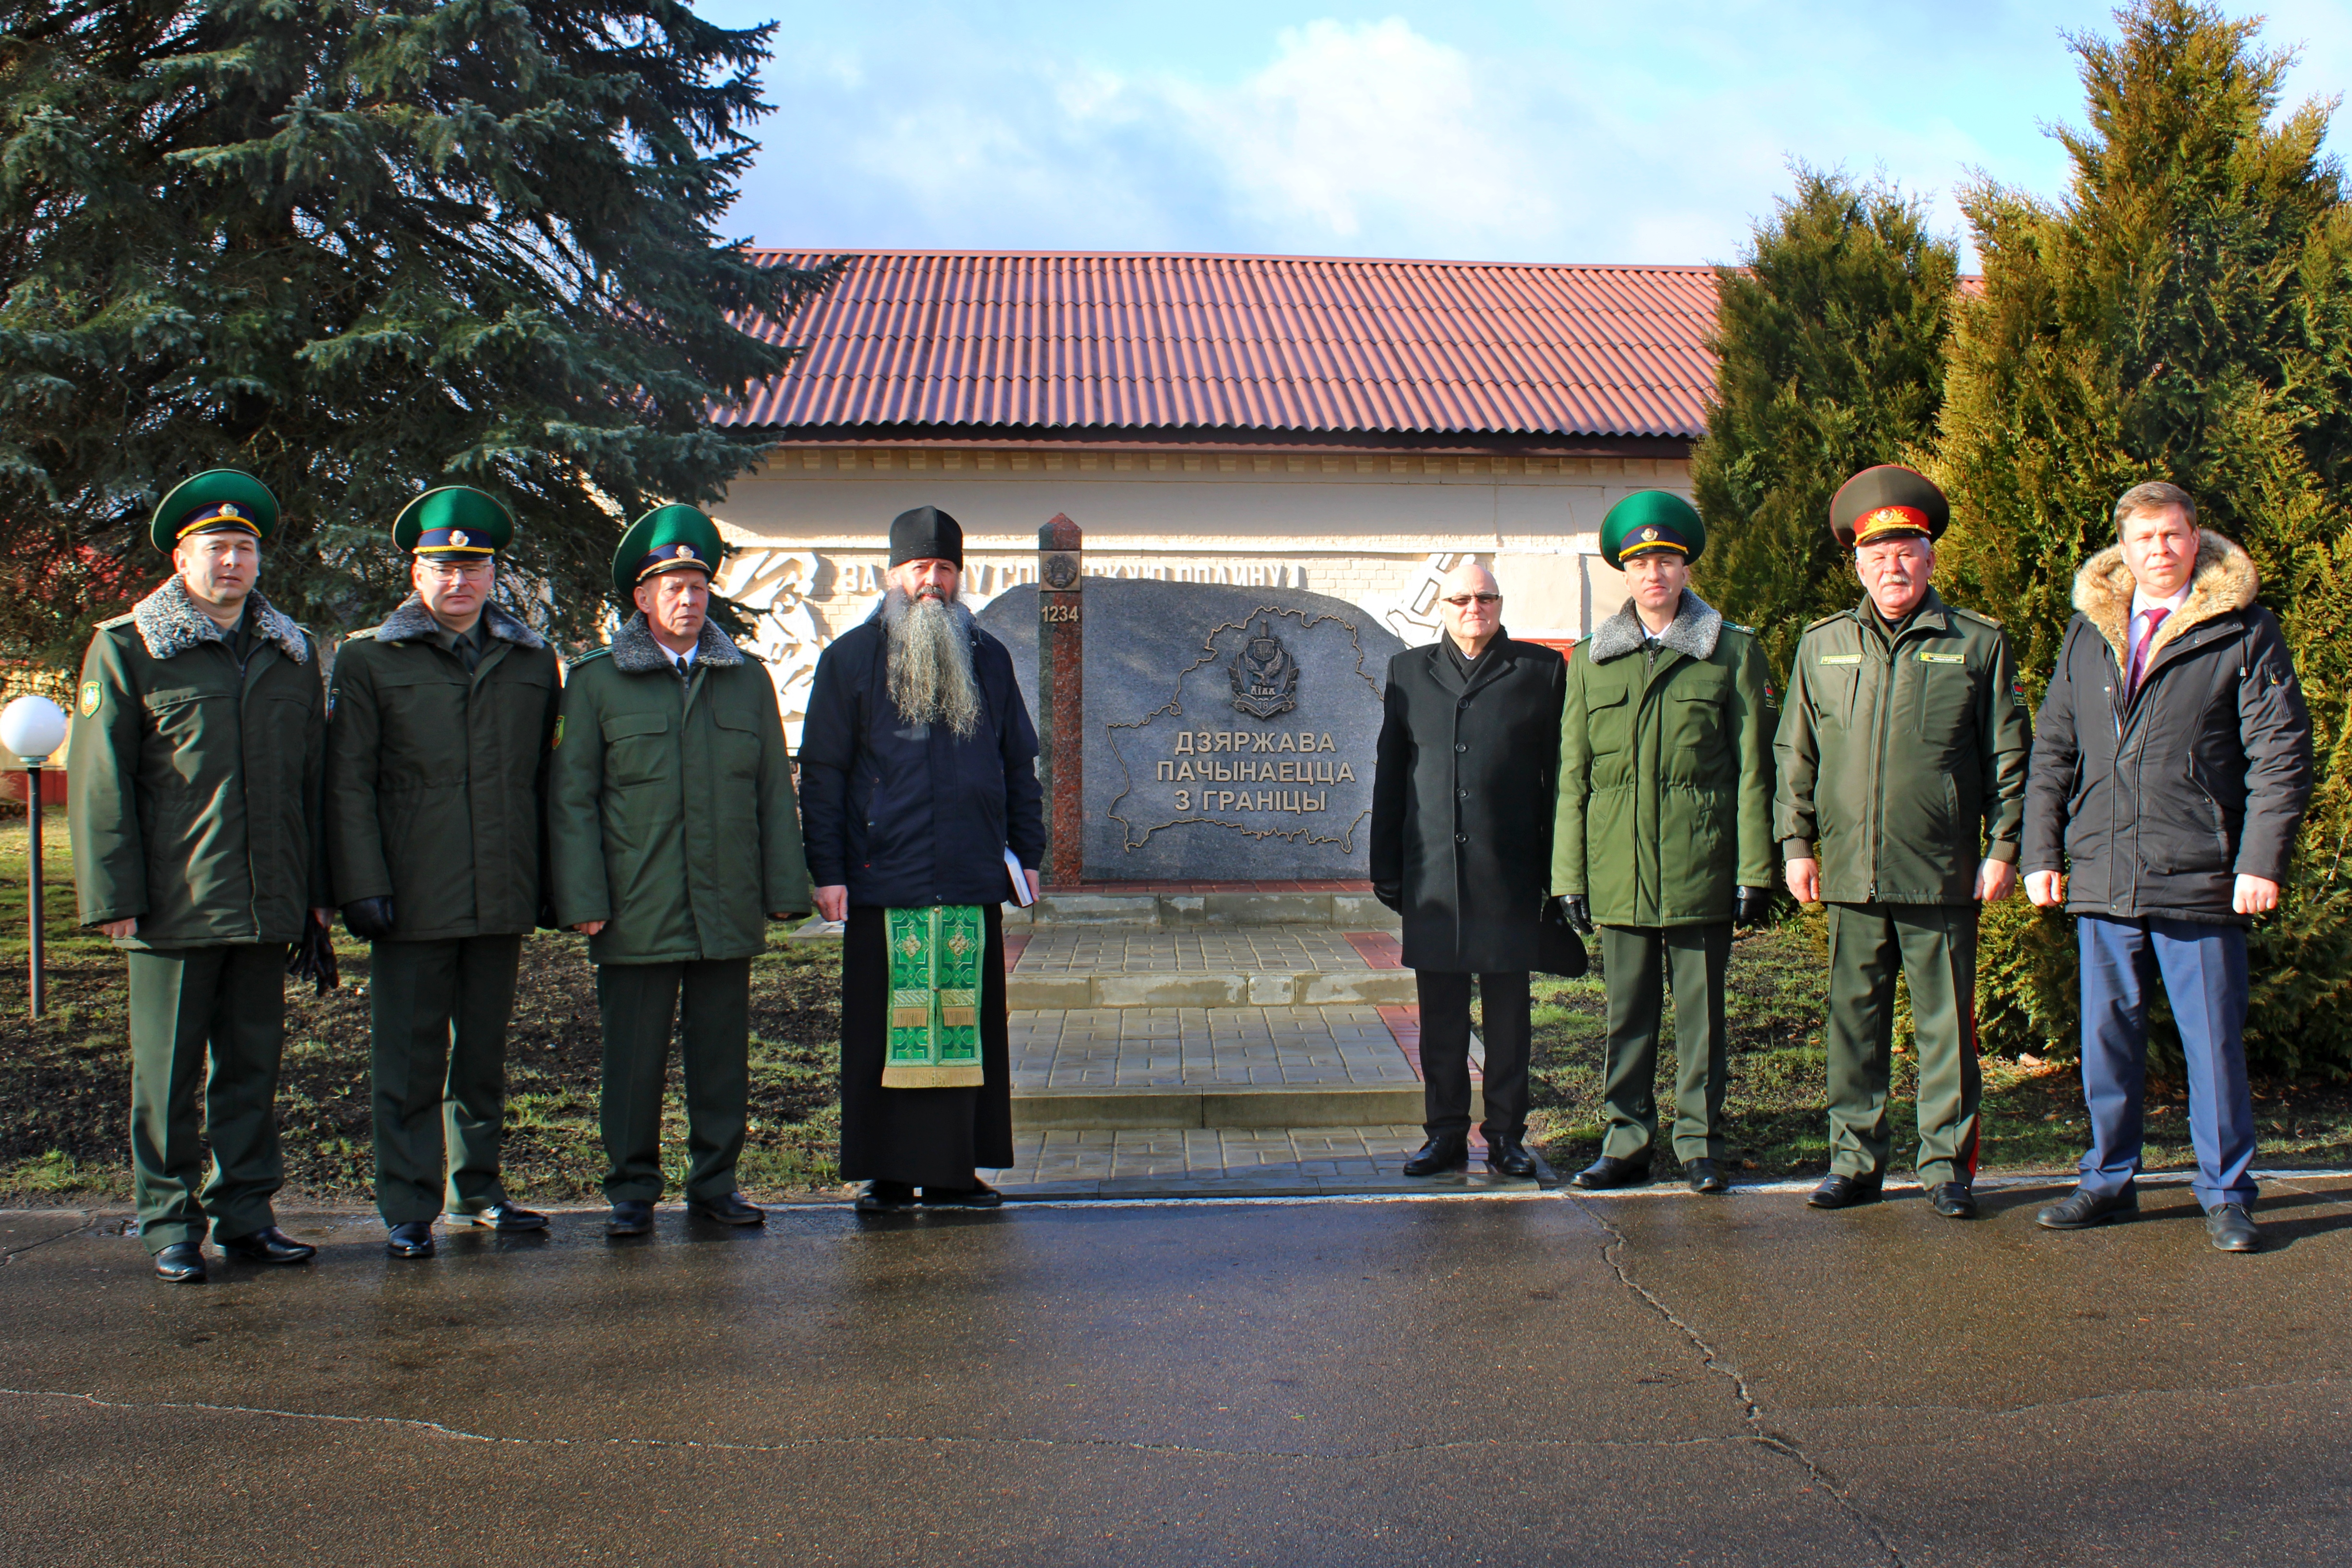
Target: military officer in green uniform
674 837
1901 806
437 756
194 799
1664 836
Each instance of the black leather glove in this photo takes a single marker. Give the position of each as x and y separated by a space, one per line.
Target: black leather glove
1576 909
313 957
370 920
1391 894
1749 905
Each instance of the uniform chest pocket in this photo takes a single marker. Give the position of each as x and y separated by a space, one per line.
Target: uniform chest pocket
179 716
1608 722
1831 685
1694 714
637 748
1940 696
738 744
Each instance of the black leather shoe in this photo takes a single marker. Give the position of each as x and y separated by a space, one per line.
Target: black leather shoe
2082 1208
730 1209
886 1197
2232 1229
411 1239
978 1195
506 1218
1844 1192
1446 1152
269 1245
1511 1158
1609 1171
630 1216
1704 1176
1953 1200
182 1263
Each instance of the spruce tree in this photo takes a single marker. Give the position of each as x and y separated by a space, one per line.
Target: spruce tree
1829 341
360 247
2179 315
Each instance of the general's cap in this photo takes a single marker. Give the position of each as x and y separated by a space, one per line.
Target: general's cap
219 500
454 522
675 538
1650 521
1888 501
926 534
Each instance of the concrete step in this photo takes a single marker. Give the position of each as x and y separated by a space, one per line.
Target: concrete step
1240 1106
1142 910
1265 1161
1230 988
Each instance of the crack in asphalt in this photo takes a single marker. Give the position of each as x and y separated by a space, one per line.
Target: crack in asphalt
459 1433
10 1254
2002 1411
1751 1409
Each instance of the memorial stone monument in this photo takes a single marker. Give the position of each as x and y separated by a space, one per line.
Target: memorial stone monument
1229 732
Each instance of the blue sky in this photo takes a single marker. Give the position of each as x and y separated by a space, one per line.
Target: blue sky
1562 132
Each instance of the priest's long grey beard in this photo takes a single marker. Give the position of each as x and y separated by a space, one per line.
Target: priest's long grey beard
930 662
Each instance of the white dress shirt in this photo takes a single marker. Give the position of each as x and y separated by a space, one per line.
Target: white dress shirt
2141 605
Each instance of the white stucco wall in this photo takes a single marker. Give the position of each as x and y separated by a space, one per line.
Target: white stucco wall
1375 531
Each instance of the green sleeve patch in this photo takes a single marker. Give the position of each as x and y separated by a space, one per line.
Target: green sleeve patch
90 698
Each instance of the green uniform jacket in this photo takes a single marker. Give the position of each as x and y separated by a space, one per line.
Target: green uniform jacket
435 777
671 809
1666 771
193 786
1902 762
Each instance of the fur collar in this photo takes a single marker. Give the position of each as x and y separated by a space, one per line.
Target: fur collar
170 623
2225 580
634 650
412 620
1696 627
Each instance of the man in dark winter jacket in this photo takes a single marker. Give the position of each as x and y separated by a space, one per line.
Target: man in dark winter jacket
1460 846
2171 767
918 765
437 772
194 795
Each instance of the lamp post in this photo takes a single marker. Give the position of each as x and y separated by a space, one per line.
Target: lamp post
33 727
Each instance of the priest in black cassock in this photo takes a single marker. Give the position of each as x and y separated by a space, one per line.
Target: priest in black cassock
917 779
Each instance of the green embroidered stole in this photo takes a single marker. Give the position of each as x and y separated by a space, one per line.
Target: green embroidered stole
935 959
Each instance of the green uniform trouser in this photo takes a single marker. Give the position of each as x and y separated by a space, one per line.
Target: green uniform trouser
186 1002
1638 963
711 1001
439 1063
1934 947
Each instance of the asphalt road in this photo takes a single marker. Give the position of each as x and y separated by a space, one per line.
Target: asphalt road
1630 1381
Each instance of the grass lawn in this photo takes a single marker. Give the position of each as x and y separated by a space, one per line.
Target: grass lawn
64 1081
2032 1117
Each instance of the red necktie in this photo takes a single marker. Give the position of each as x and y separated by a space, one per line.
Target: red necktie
2139 656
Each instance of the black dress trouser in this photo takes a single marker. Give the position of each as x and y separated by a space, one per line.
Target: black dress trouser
1504 1025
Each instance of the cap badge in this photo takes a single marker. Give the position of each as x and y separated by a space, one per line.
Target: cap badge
685 551
457 537
1649 535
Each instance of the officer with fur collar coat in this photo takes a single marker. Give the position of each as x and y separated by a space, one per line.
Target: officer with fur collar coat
437 764
1664 831
2171 768
194 798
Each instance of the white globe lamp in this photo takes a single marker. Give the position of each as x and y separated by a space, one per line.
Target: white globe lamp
33 728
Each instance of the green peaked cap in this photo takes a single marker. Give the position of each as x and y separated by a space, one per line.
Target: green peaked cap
215 501
454 520
1650 520
667 538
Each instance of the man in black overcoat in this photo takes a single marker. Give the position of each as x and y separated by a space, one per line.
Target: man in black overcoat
1461 846
918 772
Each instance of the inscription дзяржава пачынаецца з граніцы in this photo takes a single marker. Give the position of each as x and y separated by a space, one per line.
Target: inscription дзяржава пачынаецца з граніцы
1233 756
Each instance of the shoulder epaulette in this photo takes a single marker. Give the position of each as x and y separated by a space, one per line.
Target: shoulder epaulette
108 625
1825 620
1735 626
749 657
1972 615
576 660
366 632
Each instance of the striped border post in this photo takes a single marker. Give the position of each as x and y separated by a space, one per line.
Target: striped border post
1061 697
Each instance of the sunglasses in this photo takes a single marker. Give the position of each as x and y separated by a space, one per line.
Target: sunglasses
1464 600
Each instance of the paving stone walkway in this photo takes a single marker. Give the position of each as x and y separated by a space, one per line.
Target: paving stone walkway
1261 949
1176 1048
1171 1162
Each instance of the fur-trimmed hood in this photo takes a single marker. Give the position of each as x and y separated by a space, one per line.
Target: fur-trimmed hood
636 652
1696 627
170 623
412 620
2225 580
